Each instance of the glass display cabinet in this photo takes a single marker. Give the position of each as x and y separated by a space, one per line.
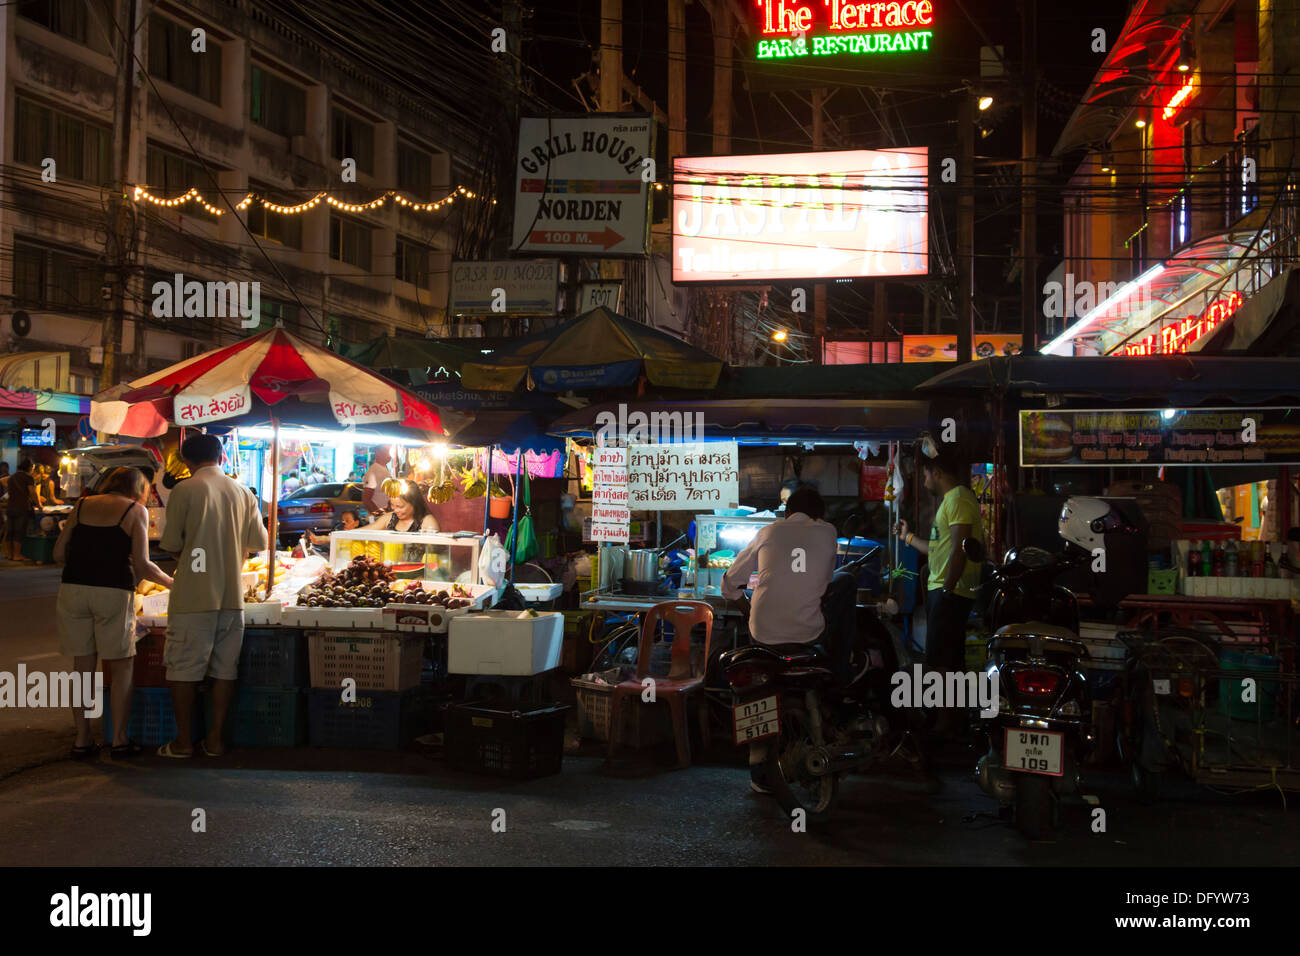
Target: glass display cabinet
426 556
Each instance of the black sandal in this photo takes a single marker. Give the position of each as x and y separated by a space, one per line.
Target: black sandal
85 753
128 749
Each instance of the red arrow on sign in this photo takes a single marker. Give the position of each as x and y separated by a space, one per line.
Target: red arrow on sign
606 239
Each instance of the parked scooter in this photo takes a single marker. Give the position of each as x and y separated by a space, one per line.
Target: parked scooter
1043 730
819 730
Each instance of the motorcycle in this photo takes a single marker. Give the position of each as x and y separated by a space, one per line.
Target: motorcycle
818 729
1043 730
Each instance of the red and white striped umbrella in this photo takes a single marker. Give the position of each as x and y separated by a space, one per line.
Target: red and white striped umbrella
251 378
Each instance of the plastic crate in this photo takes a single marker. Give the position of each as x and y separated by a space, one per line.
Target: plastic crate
643 723
153 722
264 717
274 657
505 743
1162 582
376 660
377 720
148 670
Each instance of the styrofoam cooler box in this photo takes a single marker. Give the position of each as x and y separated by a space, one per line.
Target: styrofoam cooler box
505 643
538 593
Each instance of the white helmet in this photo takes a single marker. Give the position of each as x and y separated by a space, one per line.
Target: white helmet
1085 521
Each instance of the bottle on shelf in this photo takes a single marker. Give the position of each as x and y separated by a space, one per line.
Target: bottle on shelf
1257 559
1194 560
1230 559
1218 560
1207 558
1270 566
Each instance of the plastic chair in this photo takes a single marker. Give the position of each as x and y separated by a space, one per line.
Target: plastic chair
681 681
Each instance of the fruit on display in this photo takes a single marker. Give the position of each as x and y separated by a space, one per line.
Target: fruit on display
369 583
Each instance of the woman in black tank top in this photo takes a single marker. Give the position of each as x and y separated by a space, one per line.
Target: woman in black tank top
96 603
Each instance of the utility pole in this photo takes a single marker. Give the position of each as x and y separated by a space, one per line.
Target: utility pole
966 227
611 101
819 289
1029 179
121 223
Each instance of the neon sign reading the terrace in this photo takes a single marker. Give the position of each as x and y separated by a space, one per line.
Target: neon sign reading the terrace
1176 338
888 27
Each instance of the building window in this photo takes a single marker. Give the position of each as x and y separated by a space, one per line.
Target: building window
276 104
284 228
352 138
411 262
74 19
274 312
349 242
414 171
47 278
81 151
171 175
354 331
172 58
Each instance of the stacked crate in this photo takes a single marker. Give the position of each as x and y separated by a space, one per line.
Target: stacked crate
269 708
391 705
153 721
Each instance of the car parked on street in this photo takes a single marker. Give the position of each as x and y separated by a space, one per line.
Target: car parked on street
315 508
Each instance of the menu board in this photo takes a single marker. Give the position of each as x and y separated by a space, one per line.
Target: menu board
610 515
683 477
1146 436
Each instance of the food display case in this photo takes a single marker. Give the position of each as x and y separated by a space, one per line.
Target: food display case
422 556
718 541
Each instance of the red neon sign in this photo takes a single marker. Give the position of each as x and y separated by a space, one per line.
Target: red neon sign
1176 338
787 16
1181 96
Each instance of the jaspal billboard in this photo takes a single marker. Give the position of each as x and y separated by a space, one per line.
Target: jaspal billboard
785 216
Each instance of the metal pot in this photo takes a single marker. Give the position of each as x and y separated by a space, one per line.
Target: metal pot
641 566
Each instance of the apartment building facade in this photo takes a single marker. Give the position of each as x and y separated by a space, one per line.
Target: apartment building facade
300 140
1182 205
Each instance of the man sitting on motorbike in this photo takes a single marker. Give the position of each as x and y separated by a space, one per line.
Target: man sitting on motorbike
799 598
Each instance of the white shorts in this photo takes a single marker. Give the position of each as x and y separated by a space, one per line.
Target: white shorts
95 620
203 644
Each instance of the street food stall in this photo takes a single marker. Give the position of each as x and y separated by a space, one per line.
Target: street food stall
1211 612
699 485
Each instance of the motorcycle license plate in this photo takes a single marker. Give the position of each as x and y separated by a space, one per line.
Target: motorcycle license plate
1033 751
757 719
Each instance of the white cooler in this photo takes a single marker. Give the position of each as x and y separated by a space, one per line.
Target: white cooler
505 643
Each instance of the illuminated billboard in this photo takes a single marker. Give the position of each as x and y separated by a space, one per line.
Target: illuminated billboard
785 216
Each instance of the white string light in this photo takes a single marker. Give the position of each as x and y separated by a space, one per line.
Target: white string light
140 192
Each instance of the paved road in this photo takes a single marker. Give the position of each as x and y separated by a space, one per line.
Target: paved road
636 813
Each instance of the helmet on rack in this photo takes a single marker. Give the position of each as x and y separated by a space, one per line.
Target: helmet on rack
1085 522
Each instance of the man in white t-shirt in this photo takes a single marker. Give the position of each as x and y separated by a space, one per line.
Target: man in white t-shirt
372 482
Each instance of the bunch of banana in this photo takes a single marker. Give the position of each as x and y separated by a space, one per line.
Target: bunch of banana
441 494
393 487
475 485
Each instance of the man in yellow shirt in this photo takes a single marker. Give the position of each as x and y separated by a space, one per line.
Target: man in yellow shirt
950 595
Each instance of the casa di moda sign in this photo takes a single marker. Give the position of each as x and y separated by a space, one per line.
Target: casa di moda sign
821 215
582 184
